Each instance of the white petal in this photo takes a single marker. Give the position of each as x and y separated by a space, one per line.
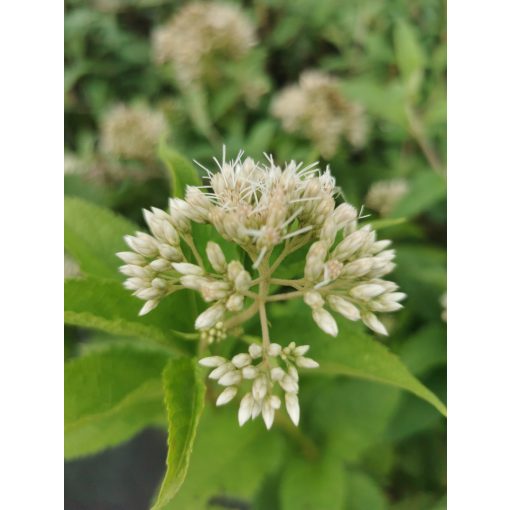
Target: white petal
212 361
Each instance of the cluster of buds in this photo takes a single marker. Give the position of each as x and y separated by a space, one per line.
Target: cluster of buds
272 374
347 276
132 132
225 289
316 109
383 196
200 34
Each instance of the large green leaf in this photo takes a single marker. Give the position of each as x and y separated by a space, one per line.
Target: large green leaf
228 463
184 400
180 170
316 485
105 305
353 353
92 235
110 396
425 349
352 415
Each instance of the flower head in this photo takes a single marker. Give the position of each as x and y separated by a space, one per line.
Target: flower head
268 211
200 34
316 109
383 196
132 132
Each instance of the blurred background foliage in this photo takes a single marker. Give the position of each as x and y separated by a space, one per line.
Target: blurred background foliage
370 447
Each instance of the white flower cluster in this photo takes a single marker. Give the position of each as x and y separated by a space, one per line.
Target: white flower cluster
269 372
259 207
316 108
132 132
383 196
199 34
347 276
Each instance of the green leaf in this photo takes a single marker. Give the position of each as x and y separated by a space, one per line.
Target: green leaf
92 235
425 349
354 353
260 138
352 415
184 400
363 493
409 55
228 462
313 485
180 170
105 305
110 396
426 189
385 101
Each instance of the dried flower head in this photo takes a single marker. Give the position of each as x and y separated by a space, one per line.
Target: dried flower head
198 35
132 132
316 109
383 196
259 207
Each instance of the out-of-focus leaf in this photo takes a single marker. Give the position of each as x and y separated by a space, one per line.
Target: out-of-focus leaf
92 236
385 101
260 138
421 272
228 463
354 353
318 485
180 170
110 396
383 223
425 349
413 417
426 189
106 306
184 400
363 493
352 415
410 56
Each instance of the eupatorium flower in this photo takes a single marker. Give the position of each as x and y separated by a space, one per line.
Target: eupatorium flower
384 195
269 211
316 109
132 132
198 35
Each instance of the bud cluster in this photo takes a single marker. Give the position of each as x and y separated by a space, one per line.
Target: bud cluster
316 108
272 374
347 276
224 289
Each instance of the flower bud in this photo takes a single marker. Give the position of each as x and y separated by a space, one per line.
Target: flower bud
344 307
292 404
210 317
186 268
325 321
216 257
374 323
226 396
313 299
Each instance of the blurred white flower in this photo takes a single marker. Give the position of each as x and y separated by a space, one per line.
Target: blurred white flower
316 109
383 196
